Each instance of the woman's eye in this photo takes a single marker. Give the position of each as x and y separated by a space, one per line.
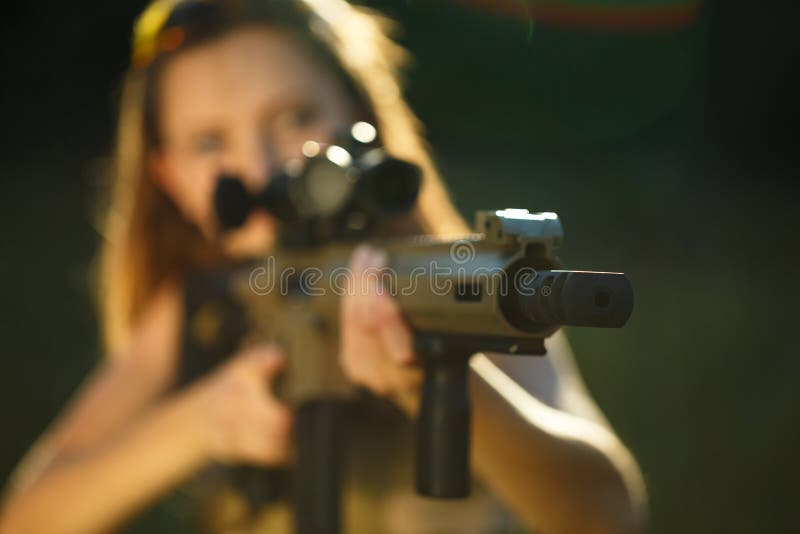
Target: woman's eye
299 117
208 143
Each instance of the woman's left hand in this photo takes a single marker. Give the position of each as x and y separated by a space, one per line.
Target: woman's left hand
376 344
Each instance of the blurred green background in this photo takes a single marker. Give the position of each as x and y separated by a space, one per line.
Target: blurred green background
669 152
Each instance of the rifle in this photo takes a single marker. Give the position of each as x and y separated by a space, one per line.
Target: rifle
498 289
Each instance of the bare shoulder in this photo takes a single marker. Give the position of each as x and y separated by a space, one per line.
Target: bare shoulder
554 379
155 334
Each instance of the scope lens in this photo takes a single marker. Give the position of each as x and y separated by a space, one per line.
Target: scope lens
326 188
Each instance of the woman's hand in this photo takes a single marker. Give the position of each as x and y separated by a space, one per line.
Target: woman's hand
376 344
240 418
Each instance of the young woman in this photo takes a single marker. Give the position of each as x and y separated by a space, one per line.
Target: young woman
240 86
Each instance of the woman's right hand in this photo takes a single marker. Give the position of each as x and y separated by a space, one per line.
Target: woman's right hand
240 418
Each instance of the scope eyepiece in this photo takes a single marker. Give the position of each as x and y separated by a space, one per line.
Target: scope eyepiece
232 202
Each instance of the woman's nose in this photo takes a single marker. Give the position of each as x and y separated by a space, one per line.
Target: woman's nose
253 162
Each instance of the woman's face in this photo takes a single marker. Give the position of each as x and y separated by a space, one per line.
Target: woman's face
243 104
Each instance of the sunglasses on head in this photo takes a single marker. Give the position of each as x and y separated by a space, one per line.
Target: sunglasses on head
167 25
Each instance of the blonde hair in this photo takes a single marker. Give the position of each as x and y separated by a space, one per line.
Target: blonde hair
147 241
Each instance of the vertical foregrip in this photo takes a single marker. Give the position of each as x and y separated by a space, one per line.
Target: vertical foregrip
444 429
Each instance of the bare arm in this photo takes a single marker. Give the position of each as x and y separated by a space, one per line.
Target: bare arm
544 447
96 489
120 445
93 428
